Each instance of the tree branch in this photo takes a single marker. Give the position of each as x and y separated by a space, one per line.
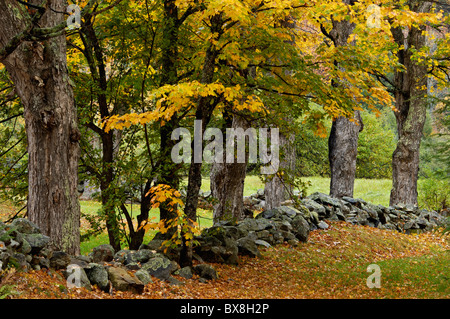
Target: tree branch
11 117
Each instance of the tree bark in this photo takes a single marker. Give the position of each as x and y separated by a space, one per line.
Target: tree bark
278 188
227 184
343 139
39 71
410 101
342 153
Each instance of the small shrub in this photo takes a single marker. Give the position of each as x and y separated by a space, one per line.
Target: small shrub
434 194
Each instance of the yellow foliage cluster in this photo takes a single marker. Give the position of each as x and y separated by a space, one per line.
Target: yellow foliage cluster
181 226
170 99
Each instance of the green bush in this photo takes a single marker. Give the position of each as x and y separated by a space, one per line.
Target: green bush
376 144
434 194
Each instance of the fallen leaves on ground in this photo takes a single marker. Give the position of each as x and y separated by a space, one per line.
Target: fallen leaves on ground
332 264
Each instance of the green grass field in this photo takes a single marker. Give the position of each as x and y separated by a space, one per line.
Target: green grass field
375 191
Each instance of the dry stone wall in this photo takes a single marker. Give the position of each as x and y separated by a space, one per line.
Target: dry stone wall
23 246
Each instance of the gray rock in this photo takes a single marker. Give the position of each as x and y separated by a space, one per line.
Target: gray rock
218 251
248 247
174 281
97 275
120 255
289 211
362 218
357 202
159 267
340 214
293 242
372 210
256 224
43 262
26 247
411 224
350 200
421 222
325 199
264 235
2 246
133 266
260 193
123 281
185 272
126 257
37 242
19 261
300 228
322 225
285 225
206 271
14 244
25 226
76 277
267 214
103 253
81 259
261 204
59 260
4 259
155 244
264 243
143 276
232 232
313 206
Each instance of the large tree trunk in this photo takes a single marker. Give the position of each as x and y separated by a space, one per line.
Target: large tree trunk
278 188
411 89
227 184
343 140
39 71
342 153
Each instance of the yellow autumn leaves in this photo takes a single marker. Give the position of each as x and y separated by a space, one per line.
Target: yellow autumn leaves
185 228
170 99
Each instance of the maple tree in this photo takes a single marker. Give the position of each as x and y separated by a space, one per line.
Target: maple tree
410 90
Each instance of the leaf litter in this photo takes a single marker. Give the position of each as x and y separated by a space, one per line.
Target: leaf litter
332 264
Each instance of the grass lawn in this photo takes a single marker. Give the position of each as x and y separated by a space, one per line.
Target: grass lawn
376 191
